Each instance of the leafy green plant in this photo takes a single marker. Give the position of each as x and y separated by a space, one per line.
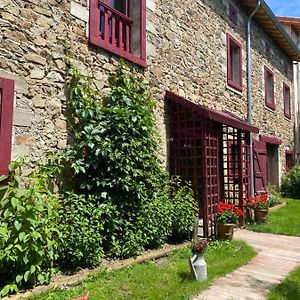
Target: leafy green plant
28 235
81 226
184 209
115 159
290 185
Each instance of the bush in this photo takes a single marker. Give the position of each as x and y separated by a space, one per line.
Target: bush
184 209
27 232
81 226
290 186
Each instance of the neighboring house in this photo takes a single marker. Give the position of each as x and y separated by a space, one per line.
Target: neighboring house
195 59
292 26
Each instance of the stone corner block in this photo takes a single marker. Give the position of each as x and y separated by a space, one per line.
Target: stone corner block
20 151
22 118
79 11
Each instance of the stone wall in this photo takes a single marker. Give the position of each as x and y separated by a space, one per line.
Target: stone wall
186 54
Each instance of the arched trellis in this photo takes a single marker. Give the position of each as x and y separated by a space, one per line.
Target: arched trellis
210 148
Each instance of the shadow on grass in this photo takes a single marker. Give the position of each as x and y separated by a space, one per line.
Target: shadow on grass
185 276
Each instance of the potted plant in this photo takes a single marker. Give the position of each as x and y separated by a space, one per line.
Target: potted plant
197 262
227 216
260 204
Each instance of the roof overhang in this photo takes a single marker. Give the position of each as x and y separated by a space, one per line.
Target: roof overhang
271 25
213 114
290 21
270 139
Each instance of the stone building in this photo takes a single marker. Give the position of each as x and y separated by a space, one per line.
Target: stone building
292 27
194 58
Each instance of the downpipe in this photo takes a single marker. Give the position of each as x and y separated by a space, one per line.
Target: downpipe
249 93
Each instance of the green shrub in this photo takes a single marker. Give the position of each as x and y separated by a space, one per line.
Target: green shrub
115 159
184 209
290 185
28 236
81 226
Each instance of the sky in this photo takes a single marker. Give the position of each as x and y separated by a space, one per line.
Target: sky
287 8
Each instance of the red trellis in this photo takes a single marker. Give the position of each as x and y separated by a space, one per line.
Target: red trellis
213 155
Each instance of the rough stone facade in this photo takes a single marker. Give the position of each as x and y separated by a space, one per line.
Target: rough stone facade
186 54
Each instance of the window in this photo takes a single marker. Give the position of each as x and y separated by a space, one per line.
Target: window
233 16
269 88
285 69
6 112
234 63
289 160
268 50
287 100
119 26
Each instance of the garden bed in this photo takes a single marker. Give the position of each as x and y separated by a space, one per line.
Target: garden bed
166 278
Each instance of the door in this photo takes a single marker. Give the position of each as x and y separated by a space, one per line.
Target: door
260 166
272 165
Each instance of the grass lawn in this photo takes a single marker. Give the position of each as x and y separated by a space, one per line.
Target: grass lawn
288 289
285 220
166 278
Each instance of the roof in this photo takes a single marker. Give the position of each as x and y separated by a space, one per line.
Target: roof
213 114
271 25
291 21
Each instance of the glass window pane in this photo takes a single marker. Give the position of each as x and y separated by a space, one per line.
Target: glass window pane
235 67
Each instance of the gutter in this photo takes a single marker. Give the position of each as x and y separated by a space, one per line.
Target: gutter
249 94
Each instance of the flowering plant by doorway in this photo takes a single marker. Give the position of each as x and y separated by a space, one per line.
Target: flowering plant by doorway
199 246
261 201
228 213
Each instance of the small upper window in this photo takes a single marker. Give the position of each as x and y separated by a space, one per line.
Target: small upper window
286 68
268 50
234 63
269 88
233 16
287 100
119 26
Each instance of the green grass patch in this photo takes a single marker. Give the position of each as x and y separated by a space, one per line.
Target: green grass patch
285 220
288 289
166 278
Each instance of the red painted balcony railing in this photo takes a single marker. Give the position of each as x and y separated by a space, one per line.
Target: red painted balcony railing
115 27
111 30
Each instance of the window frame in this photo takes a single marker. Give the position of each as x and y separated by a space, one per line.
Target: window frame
291 154
268 103
285 88
237 85
6 123
96 39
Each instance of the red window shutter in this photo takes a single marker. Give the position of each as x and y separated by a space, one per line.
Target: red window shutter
6 121
260 165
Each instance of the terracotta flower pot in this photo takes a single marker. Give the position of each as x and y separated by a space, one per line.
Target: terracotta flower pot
225 231
261 215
